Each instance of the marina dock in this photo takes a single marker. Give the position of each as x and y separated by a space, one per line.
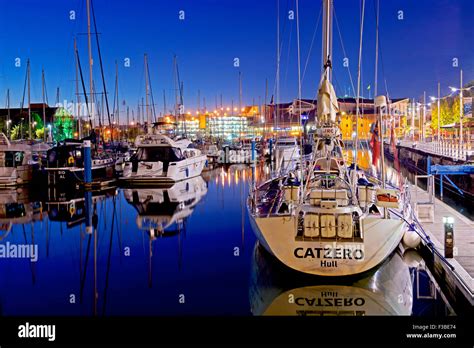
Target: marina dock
455 274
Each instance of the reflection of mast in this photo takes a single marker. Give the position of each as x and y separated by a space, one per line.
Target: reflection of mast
32 266
150 257
89 44
108 259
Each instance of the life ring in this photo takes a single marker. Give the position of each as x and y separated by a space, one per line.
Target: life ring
72 210
70 160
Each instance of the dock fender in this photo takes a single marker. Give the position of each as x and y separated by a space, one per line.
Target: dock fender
411 239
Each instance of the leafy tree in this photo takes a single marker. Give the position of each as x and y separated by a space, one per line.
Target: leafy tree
449 112
16 131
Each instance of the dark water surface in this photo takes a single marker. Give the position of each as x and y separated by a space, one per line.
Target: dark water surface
188 250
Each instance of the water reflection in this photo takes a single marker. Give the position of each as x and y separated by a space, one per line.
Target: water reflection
390 289
159 209
17 208
134 251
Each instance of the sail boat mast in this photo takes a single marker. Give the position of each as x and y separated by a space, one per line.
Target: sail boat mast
89 43
29 100
277 111
356 144
327 38
146 91
78 98
44 104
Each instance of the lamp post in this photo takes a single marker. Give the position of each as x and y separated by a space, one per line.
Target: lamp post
461 107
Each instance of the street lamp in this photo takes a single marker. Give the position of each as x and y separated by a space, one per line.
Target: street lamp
461 89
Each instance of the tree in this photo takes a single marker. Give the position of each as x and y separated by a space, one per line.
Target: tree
16 131
449 112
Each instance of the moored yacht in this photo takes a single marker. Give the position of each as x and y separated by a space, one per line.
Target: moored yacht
16 162
286 150
162 160
65 164
328 219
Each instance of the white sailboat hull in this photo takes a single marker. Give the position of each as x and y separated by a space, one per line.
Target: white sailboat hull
329 257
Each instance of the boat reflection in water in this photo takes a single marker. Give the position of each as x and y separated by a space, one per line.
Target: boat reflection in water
161 208
276 290
16 207
162 212
70 206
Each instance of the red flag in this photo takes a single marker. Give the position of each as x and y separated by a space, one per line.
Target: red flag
394 149
375 144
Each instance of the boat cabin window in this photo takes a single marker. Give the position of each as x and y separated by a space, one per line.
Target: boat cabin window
13 158
162 154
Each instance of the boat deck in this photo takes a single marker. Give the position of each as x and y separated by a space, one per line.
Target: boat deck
461 273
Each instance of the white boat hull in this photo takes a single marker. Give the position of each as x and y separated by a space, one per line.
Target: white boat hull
152 172
329 257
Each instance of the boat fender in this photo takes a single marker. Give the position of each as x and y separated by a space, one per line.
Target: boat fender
411 239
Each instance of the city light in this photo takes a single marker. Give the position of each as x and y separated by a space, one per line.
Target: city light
433 98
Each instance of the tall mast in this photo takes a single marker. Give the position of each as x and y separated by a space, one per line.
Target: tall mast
146 90
265 112
327 38
199 102
356 145
29 100
240 92
299 90
376 48
164 102
44 104
78 97
89 43
277 111
117 95
8 113
176 87
461 107
424 117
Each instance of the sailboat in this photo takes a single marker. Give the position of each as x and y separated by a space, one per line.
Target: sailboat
328 219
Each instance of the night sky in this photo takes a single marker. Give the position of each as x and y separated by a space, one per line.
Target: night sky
415 54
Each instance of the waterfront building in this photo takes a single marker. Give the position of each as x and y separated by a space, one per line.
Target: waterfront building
288 122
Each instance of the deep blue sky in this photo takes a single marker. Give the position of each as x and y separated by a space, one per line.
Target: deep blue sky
416 52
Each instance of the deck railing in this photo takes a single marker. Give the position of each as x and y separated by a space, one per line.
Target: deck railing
447 147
